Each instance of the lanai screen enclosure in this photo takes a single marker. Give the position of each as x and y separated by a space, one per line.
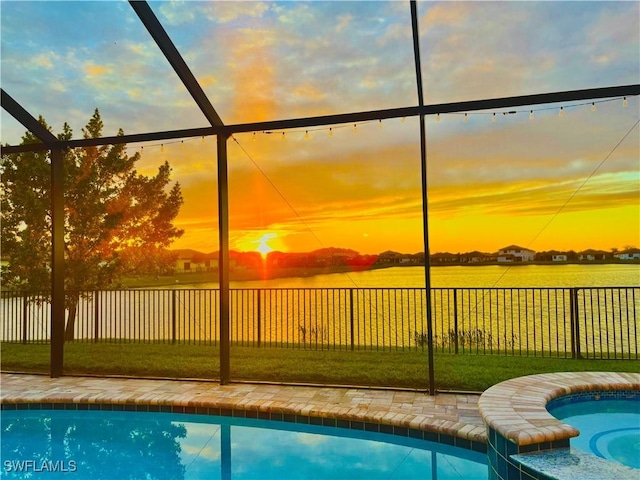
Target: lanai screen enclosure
388 62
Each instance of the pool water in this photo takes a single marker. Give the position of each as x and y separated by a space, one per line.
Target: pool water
76 445
608 428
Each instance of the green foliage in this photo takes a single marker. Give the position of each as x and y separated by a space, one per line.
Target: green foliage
147 261
111 213
313 334
469 338
404 369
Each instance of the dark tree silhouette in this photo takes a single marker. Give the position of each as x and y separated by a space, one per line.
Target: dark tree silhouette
109 209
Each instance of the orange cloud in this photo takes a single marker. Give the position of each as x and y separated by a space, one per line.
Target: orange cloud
448 14
252 73
483 191
309 92
94 70
207 80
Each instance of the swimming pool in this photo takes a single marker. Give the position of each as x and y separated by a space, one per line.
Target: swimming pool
117 444
609 428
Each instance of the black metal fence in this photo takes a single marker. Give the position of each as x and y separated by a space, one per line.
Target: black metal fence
593 322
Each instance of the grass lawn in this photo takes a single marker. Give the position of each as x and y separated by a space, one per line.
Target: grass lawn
408 369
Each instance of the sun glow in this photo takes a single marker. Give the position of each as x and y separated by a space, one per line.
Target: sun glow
263 247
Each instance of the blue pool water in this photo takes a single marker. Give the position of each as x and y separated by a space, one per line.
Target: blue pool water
608 428
121 445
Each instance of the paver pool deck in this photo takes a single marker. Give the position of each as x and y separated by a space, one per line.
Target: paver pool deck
455 415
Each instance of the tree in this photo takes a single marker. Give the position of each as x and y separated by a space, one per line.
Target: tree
109 208
148 261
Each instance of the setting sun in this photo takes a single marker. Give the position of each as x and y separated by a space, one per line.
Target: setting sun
263 247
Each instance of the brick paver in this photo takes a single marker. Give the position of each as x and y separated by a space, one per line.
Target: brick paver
451 414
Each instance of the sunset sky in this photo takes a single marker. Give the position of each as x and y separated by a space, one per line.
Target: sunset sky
551 182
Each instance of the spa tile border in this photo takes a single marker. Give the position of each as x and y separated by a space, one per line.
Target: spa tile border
517 408
574 398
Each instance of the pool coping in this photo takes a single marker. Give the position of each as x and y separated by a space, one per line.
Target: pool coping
516 408
363 409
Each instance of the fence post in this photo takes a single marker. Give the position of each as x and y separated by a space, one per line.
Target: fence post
96 315
351 317
575 325
577 320
259 317
25 317
173 316
455 319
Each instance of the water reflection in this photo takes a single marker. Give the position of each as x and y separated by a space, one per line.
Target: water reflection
57 444
129 445
482 276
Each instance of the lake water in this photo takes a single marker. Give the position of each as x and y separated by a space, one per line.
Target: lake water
486 276
484 310
520 310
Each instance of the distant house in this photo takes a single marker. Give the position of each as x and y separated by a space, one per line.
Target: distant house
194 261
184 260
245 260
559 257
628 254
476 257
445 258
515 254
418 258
547 256
389 257
593 255
333 256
